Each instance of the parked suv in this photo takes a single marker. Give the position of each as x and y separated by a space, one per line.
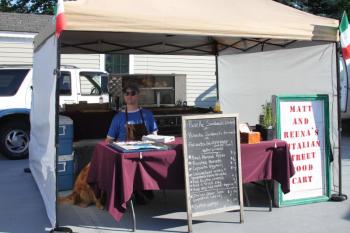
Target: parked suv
75 85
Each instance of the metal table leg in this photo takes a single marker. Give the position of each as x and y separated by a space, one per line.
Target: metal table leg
133 215
246 197
268 194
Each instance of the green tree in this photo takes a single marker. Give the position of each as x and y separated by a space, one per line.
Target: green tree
343 5
6 6
28 6
22 6
44 6
328 8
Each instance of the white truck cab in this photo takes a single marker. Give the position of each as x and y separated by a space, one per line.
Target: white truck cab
344 88
75 85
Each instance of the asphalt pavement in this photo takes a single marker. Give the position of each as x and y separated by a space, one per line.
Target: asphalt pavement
22 210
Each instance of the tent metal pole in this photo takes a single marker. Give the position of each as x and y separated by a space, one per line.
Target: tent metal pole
347 84
217 76
339 196
57 105
216 53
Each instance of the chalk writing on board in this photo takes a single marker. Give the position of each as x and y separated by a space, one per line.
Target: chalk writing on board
212 163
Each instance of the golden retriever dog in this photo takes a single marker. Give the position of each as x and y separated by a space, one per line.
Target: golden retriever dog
82 194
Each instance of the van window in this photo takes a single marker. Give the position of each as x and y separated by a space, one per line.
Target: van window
65 83
11 80
93 83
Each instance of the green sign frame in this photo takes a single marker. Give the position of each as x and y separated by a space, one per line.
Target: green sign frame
279 196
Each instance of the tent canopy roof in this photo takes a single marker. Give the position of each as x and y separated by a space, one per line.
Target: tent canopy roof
185 26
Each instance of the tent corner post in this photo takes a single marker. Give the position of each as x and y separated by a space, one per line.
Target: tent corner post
57 73
61 229
215 52
217 77
337 197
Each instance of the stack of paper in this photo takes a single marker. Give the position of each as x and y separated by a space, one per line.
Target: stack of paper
134 146
158 138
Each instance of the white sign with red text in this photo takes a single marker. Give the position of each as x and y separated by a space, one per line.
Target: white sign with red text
302 126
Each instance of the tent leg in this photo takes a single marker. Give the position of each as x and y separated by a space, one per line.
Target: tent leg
61 229
267 186
217 76
27 170
339 196
57 227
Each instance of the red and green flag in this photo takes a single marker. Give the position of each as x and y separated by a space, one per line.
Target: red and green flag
60 20
345 36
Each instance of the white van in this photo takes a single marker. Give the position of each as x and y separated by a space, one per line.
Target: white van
75 85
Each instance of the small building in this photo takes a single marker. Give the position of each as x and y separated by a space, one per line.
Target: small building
17 32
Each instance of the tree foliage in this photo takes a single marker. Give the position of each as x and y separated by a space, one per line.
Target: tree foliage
5 5
28 6
328 8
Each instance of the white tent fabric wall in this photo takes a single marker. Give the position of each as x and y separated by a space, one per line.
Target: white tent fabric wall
42 117
246 81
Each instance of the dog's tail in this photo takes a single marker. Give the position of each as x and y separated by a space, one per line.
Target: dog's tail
70 199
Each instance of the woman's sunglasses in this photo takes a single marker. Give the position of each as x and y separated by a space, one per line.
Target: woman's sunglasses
130 93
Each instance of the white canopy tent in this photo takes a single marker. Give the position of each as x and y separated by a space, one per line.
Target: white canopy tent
224 28
184 27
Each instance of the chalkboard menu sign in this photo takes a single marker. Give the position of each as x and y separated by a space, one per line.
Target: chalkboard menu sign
212 164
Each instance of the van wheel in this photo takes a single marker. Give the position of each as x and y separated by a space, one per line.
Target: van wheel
14 139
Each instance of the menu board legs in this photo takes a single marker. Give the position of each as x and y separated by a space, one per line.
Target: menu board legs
241 218
212 161
189 219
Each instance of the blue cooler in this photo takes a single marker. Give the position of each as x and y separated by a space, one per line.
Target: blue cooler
65 136
65 170
65 165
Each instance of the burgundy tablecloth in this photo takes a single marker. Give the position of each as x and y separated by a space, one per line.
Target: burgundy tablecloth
267 160
118 174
